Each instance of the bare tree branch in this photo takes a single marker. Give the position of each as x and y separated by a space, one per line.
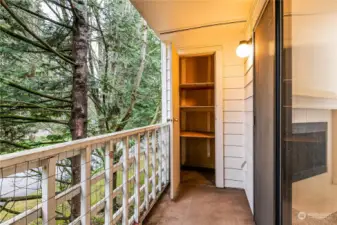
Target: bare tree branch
58 4
53 10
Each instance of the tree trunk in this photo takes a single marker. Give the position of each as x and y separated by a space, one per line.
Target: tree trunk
79 111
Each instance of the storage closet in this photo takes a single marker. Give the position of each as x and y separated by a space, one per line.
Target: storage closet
197 121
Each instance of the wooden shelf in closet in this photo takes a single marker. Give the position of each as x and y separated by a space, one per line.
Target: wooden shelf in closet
207 85
192 134
197 108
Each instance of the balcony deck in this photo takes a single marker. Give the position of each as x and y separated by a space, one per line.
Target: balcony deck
141 171
122 175
201 203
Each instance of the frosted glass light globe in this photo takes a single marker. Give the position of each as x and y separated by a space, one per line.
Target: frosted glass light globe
244 49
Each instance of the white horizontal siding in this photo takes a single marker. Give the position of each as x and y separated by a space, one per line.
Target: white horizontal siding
248 140
233 140
234 105
249 64
233 163
248 132
234 151
234 117
233 128
233 71
234 184
233 82
249 90
233 94
249 77
249 104
234 174
249 118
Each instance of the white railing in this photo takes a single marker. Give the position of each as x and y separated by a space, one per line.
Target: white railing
121 176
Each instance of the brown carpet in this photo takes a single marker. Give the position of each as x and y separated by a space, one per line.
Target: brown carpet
309 220
200 203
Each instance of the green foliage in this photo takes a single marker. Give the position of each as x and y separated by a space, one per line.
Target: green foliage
36 79
36 83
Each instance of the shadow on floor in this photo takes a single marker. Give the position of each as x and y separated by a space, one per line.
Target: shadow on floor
200 203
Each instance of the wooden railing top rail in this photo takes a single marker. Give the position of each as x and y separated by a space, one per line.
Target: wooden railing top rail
16 158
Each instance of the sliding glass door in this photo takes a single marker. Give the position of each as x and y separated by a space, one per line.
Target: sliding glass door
264 113
309 111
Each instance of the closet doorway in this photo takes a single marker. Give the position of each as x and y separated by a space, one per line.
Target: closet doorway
197 124
197 155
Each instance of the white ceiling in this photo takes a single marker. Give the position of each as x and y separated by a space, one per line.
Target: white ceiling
172 15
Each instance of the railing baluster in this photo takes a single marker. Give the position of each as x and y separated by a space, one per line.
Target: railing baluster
125 182
108 189
48 192
158 143
154 171
137 183
147 171
164 154
168 152
85 185
160 165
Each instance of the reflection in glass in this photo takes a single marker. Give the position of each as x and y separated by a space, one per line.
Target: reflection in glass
310 56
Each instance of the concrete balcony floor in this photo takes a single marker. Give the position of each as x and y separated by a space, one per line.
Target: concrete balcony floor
200 203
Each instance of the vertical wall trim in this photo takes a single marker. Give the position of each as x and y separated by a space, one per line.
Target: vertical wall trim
254 123
219 146
164 74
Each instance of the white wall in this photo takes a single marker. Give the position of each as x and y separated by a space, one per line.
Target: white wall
248 106
248 132
310 31
226 38
233 96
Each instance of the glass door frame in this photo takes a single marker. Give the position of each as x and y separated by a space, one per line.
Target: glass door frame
283 116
